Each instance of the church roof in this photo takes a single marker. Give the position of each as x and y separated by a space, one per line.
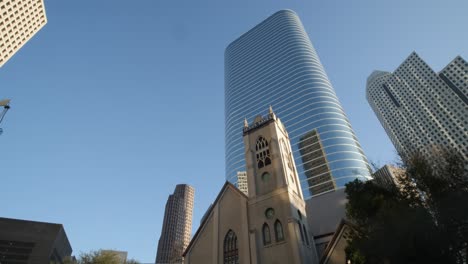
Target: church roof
333 242
210 209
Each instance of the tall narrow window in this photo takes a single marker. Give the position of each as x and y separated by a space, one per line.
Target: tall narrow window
262 153
279 236
231 253
300 230
305 234
266 234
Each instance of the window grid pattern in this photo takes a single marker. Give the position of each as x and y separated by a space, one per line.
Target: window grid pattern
275 64
19 21
242 182
432 113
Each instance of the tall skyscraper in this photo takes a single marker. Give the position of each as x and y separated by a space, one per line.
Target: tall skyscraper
421 109
19 21
177 225
275 64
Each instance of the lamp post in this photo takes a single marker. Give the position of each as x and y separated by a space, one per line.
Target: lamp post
6 106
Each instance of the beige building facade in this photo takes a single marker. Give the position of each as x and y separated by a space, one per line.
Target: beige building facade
270 224
242 182
389 176
421 109
20 20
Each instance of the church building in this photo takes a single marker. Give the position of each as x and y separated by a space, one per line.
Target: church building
270 224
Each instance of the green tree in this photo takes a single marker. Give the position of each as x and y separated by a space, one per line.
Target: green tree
423 221
100 257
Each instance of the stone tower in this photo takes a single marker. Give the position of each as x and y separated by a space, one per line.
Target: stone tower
277 217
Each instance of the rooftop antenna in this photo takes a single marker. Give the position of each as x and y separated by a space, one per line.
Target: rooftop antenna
6 105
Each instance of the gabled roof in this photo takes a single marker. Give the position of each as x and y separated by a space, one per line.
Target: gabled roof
203 223
333 242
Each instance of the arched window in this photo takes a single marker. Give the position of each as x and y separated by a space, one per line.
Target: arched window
262 153
266 234
279 231
231 253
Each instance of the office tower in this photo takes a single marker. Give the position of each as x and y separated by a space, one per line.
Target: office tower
23 241
420 109
19 21
177 225
275 64
242 182
388 176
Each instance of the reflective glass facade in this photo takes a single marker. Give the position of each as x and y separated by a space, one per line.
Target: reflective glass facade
275 64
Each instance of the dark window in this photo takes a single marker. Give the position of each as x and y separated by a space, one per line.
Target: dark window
260 164
262 153
305 234
300 230
231 252
279 235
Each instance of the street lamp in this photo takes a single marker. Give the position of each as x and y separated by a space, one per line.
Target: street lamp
6 105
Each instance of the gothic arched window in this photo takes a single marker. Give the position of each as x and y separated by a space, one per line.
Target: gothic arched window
279 236
266 234
262 152
231 253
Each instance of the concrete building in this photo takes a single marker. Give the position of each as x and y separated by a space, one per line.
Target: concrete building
270 224
177 225
420 109
275 64
242 182
388 176
20 20
30 242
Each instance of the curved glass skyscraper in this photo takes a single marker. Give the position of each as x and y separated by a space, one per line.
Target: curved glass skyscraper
275 64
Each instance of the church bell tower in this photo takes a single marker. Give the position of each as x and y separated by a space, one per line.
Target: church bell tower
277 217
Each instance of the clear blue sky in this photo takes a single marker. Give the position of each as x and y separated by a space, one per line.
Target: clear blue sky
115 102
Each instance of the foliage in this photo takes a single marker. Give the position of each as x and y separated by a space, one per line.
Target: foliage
424 220
100 257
